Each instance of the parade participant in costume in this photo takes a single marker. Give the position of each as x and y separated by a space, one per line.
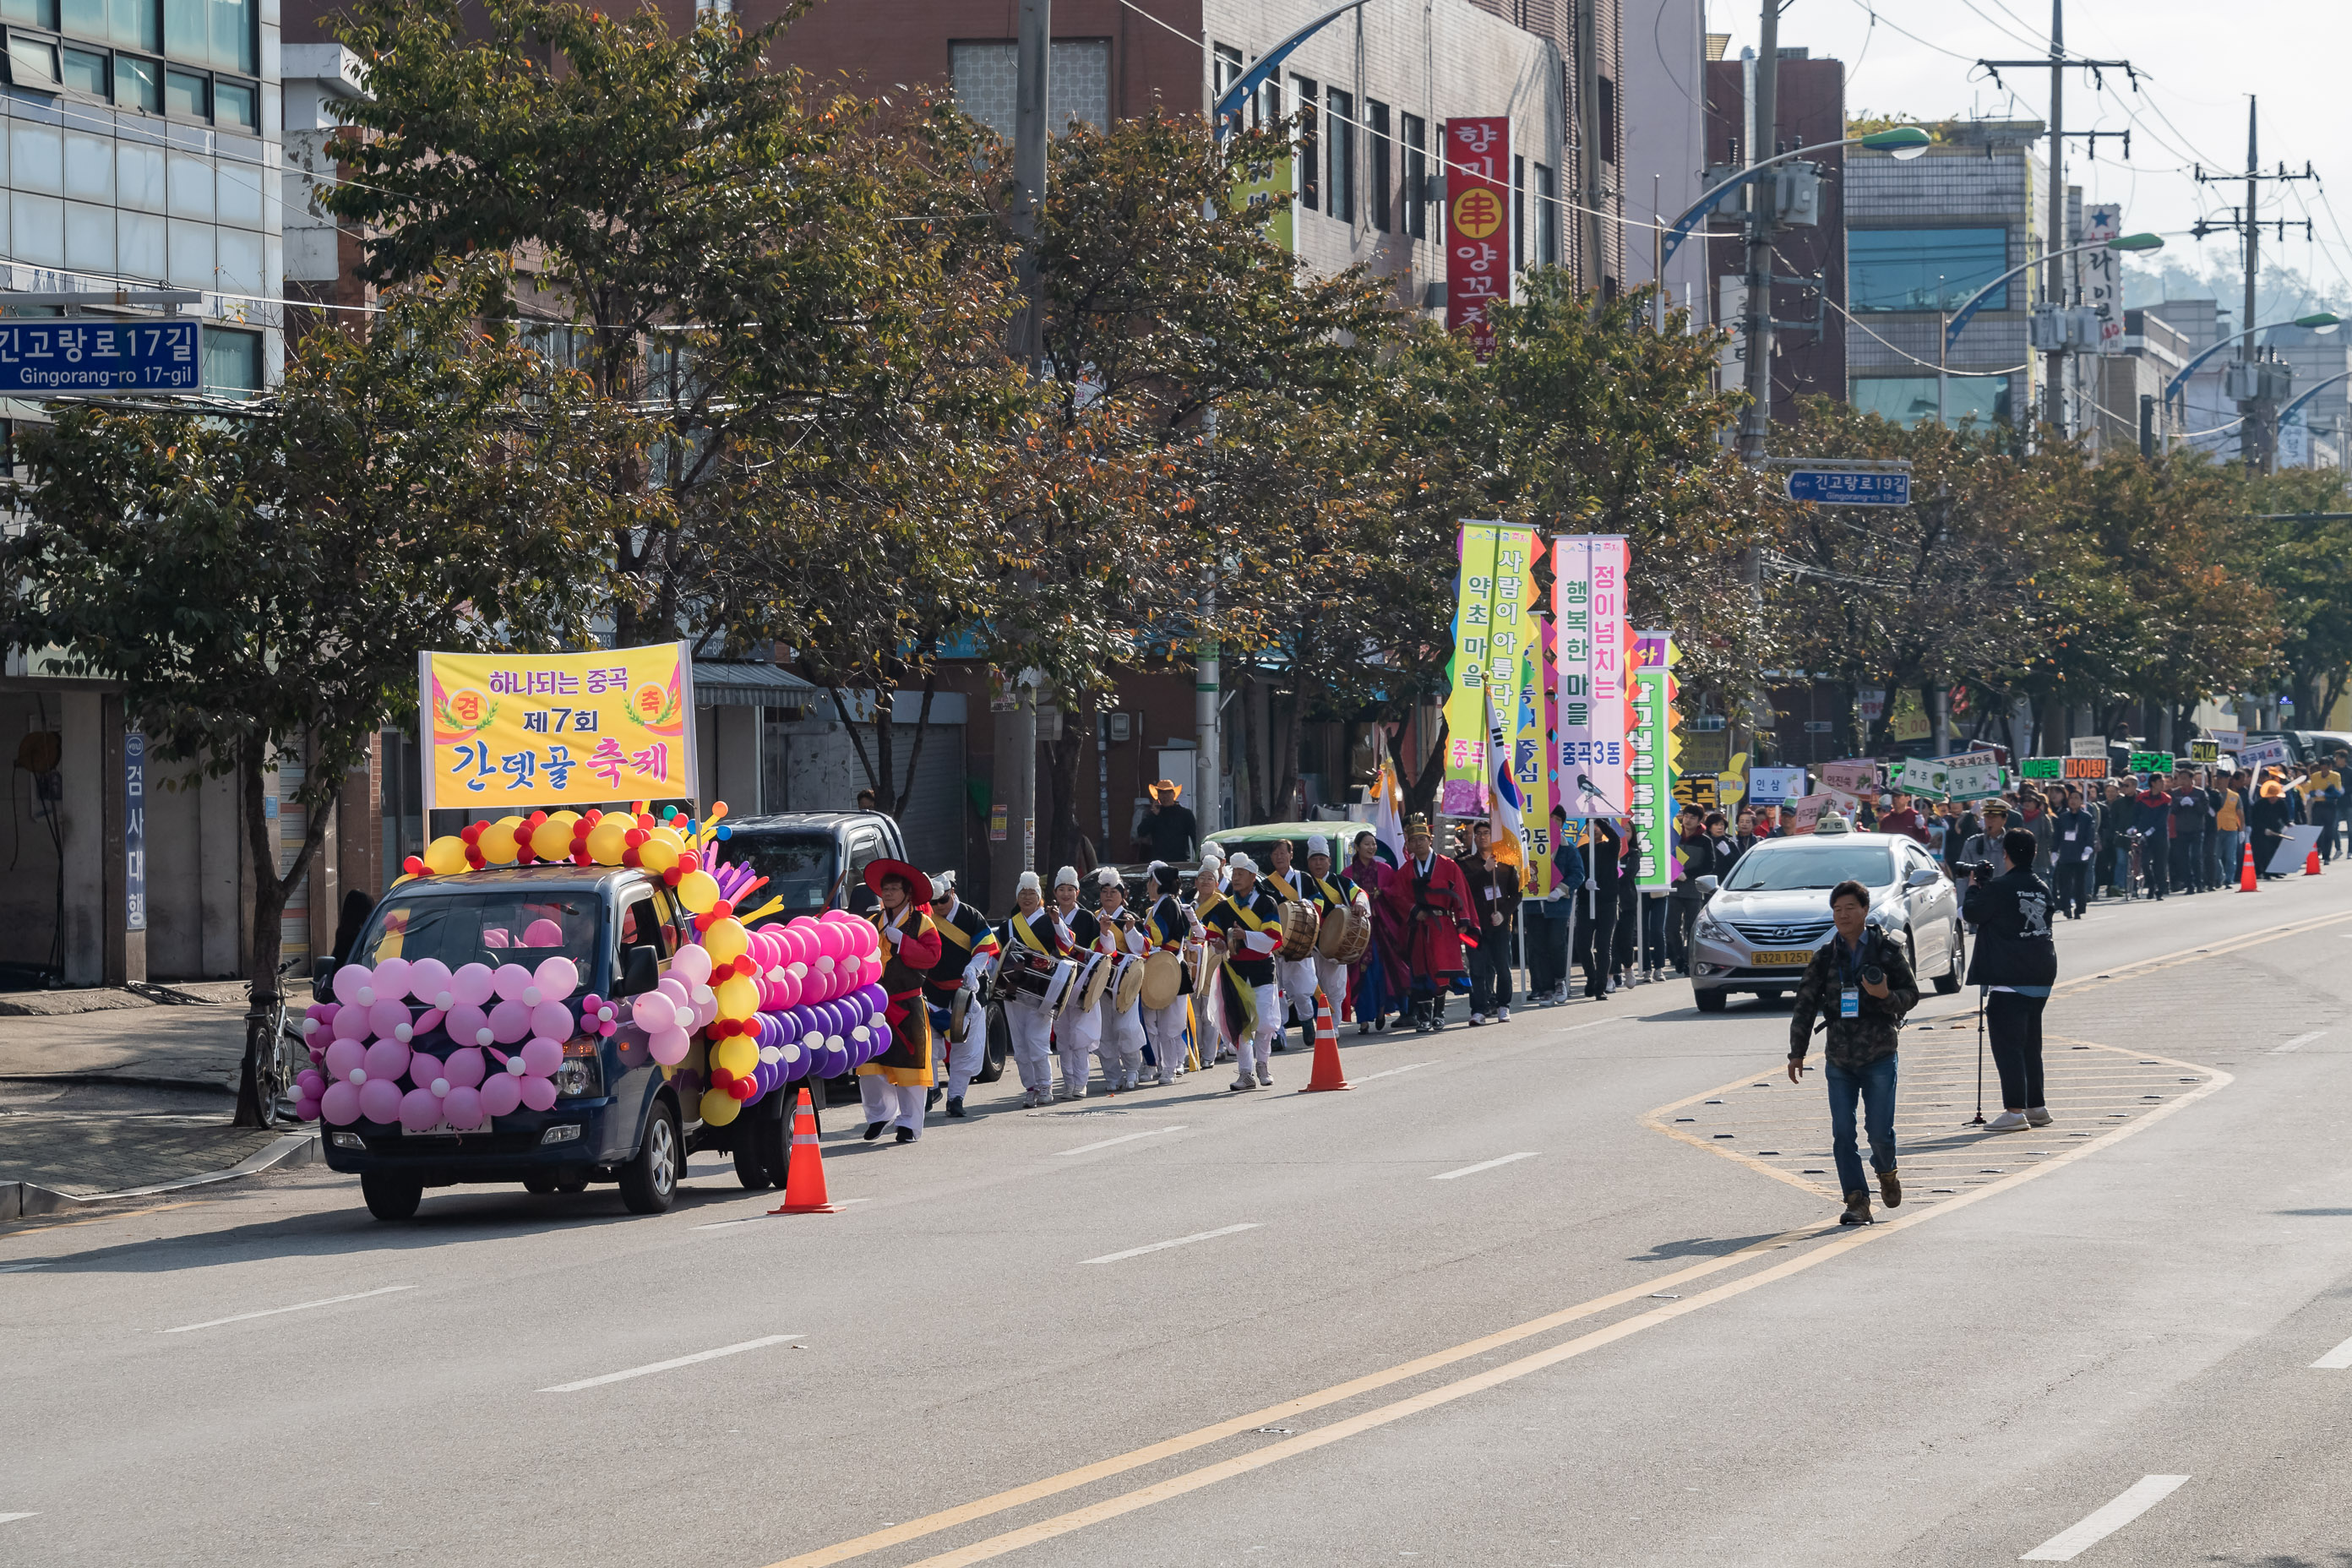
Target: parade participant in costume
1208 894
1078 1028
1247 922
1317 886
894 1085
1428 894
1167 926
1030 928
1120 1029
1376 981
1294 977
966 946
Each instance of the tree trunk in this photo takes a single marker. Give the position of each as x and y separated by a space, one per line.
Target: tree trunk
1283 766
270 892
915 751
1253 745
1068 751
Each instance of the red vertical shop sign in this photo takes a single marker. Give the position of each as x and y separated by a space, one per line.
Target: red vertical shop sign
1477 223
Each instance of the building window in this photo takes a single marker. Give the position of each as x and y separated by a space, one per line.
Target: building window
32 13
1225 62
1417 175
1384 213
187 95
1310 173
1925 269
1340 116
986 77
1546 216
1605 101
85 71
1518 211
1911 399
232 361
233 104
32 62
138 84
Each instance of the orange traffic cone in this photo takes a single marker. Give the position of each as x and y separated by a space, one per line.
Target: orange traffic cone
1326 1073
2311 862
2246 871
804 1174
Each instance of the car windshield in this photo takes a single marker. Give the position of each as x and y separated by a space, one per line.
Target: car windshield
800 866
489 925
1811 866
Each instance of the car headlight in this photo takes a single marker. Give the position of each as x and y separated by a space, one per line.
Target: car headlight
1709 929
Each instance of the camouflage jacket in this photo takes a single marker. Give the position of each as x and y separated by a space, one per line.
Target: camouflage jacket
1853 1042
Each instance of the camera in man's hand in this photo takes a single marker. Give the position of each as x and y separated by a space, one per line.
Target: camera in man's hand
1873 975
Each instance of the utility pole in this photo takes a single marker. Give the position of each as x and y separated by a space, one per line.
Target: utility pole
1756 419
2256 387
1014 774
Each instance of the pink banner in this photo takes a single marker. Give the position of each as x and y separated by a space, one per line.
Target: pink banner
1594 671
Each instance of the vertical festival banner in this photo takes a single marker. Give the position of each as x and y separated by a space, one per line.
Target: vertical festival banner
1529 756
1494 642
1651 747
1595 655
1477 223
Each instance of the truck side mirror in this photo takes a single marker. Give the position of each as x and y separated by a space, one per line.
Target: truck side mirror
321 972
640 970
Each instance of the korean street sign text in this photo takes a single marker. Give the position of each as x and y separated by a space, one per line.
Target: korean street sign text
43 358
1844 487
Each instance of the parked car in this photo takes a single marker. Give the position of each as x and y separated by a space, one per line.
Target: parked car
2307 745
618 1117
1761 925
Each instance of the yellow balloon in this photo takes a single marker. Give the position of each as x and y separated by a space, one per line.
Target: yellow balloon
660 850
719 1106
738 998
498 841
737 1053
726 941
551 839
699 892
446 856
605 839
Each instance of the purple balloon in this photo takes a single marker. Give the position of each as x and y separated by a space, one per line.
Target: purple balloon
380 1100
788 1028
881 1038
875 997
420 1109
306 1108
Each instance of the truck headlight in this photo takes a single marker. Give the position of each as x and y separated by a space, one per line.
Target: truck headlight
580 1074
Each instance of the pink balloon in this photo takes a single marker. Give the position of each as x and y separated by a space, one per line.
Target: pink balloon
541 1056
511 980
466 1023
342 1056
380 1100
386 1059
472 984
788 992
500 1094
340 1104
306 1108
653 1012
465 1068
692 965
351 1023
311 1081
463 1108
428 982
349 980
427 1021
420 1109
423 1067
668 1046
542 932
510 1021
558 977
553 1019
676 990
386 1016
391 979
538 1093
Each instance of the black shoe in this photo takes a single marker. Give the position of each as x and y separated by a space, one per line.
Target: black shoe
931 1101
874 1130
1278 1047
955 1107
905 1135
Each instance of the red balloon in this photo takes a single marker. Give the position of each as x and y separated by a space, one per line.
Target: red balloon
742 1089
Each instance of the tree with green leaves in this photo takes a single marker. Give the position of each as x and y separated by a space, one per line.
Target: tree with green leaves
261 585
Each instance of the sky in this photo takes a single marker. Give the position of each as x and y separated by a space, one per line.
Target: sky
2197 61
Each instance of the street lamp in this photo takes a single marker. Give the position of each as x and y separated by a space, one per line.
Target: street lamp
1905 141
1959 319
2319 321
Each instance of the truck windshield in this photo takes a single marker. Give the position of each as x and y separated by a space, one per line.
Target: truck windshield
1810 866
492 926
800 866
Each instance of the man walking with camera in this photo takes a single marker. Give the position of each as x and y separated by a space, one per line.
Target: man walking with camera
1861 984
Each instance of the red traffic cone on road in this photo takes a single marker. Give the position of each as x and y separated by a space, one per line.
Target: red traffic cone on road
2311 862
805 1172
1326 1073
2246 871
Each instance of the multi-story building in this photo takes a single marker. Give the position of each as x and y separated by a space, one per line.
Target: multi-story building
1665 140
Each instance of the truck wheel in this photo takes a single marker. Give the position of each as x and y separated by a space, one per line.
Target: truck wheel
997 1046
750 1166
649 1181
1713 1000
389 1198
539 1184
772 1139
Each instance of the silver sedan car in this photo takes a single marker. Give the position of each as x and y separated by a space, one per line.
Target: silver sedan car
1763 924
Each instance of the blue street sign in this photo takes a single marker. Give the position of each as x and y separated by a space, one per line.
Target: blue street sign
1846 487
44 358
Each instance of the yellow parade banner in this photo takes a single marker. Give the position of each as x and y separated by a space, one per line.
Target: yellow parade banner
528 730
1494 640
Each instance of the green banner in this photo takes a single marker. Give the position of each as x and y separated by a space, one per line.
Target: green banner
1649 779
2043 767
2151 761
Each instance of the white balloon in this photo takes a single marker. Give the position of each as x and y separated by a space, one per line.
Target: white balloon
403 1033
530 997
440 1086
483 1036
364 995
442 999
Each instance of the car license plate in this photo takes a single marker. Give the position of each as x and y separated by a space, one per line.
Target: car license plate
1790 959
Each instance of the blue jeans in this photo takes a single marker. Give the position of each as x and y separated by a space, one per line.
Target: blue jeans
1875 1085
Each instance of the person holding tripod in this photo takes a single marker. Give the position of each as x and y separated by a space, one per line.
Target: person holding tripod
1861 984
2015 960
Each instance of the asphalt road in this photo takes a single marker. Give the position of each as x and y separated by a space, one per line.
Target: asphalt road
1497 1305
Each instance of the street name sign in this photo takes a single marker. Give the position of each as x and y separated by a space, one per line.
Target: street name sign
1847 486
44 358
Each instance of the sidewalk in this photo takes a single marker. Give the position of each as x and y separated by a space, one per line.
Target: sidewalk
113 1091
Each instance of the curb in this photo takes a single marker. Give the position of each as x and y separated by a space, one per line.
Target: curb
128 1080
24 1200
